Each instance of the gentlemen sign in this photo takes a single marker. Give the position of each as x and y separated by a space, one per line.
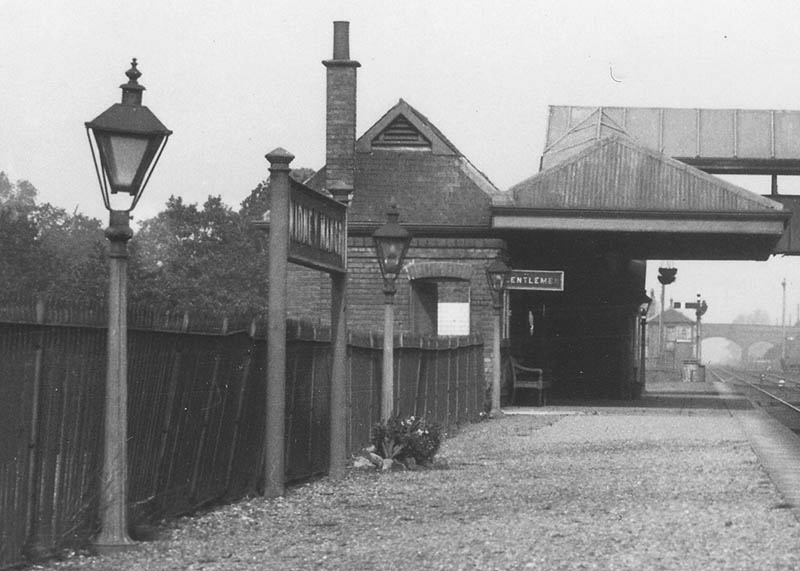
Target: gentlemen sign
317 229
547 280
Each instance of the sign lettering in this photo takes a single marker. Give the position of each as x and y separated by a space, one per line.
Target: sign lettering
544 280
317 229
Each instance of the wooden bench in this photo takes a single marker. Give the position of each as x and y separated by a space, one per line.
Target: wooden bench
529 378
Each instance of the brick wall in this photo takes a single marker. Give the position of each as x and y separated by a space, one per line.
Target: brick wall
309 295
309 291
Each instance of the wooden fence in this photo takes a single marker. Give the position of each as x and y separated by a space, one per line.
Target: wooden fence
196 412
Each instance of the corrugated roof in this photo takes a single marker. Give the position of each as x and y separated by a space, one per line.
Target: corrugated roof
744 141
596 126
616 174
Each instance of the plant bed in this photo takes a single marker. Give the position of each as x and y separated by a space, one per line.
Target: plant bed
402 443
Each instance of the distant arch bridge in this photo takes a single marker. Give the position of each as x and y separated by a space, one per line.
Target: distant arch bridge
747 335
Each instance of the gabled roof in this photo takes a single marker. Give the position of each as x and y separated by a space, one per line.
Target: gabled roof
403 114
596 126
671 317
615 173
405 158
619 188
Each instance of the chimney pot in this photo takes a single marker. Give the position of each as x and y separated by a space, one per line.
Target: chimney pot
341 40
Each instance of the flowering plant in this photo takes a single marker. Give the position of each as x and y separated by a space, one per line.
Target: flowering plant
404 438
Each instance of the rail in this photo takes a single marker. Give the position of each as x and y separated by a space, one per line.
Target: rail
781 382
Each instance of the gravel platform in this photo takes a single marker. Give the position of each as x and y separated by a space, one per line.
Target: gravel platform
668 482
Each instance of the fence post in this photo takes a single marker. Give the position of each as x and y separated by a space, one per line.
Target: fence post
338 395
33 447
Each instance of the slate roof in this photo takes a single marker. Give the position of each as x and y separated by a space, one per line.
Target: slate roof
432 183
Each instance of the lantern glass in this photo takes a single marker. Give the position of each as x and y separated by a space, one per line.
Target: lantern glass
391 245
495 274
390 254
496 281
123 156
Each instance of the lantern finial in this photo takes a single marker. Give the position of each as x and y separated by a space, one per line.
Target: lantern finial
393 213
133 73
132 91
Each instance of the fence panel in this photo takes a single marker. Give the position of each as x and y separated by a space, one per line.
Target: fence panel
70 382
196 415
407 379
307 412
364 365
242 445
18 377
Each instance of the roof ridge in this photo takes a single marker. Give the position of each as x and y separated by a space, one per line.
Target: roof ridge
432 127
666 159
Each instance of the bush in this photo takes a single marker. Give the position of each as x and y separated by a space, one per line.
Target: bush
400 439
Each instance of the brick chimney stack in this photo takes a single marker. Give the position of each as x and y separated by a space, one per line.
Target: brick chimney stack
340 125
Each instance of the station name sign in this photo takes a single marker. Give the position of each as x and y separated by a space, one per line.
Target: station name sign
547 280
317 229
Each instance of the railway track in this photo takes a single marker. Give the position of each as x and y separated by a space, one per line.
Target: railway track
778 394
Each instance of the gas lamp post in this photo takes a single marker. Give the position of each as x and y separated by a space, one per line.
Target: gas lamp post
391 245
644 309
126 141
496 273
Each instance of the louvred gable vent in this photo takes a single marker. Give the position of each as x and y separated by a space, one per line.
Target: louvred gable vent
401 133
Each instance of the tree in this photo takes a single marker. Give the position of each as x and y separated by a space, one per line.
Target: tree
755 317
20 254
47 252
257 203
192 258
204 259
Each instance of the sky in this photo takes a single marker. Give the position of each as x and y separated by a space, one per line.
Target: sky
235 79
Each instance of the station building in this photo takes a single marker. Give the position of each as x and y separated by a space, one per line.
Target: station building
614 188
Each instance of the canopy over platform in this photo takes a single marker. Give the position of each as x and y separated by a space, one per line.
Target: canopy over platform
650 205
